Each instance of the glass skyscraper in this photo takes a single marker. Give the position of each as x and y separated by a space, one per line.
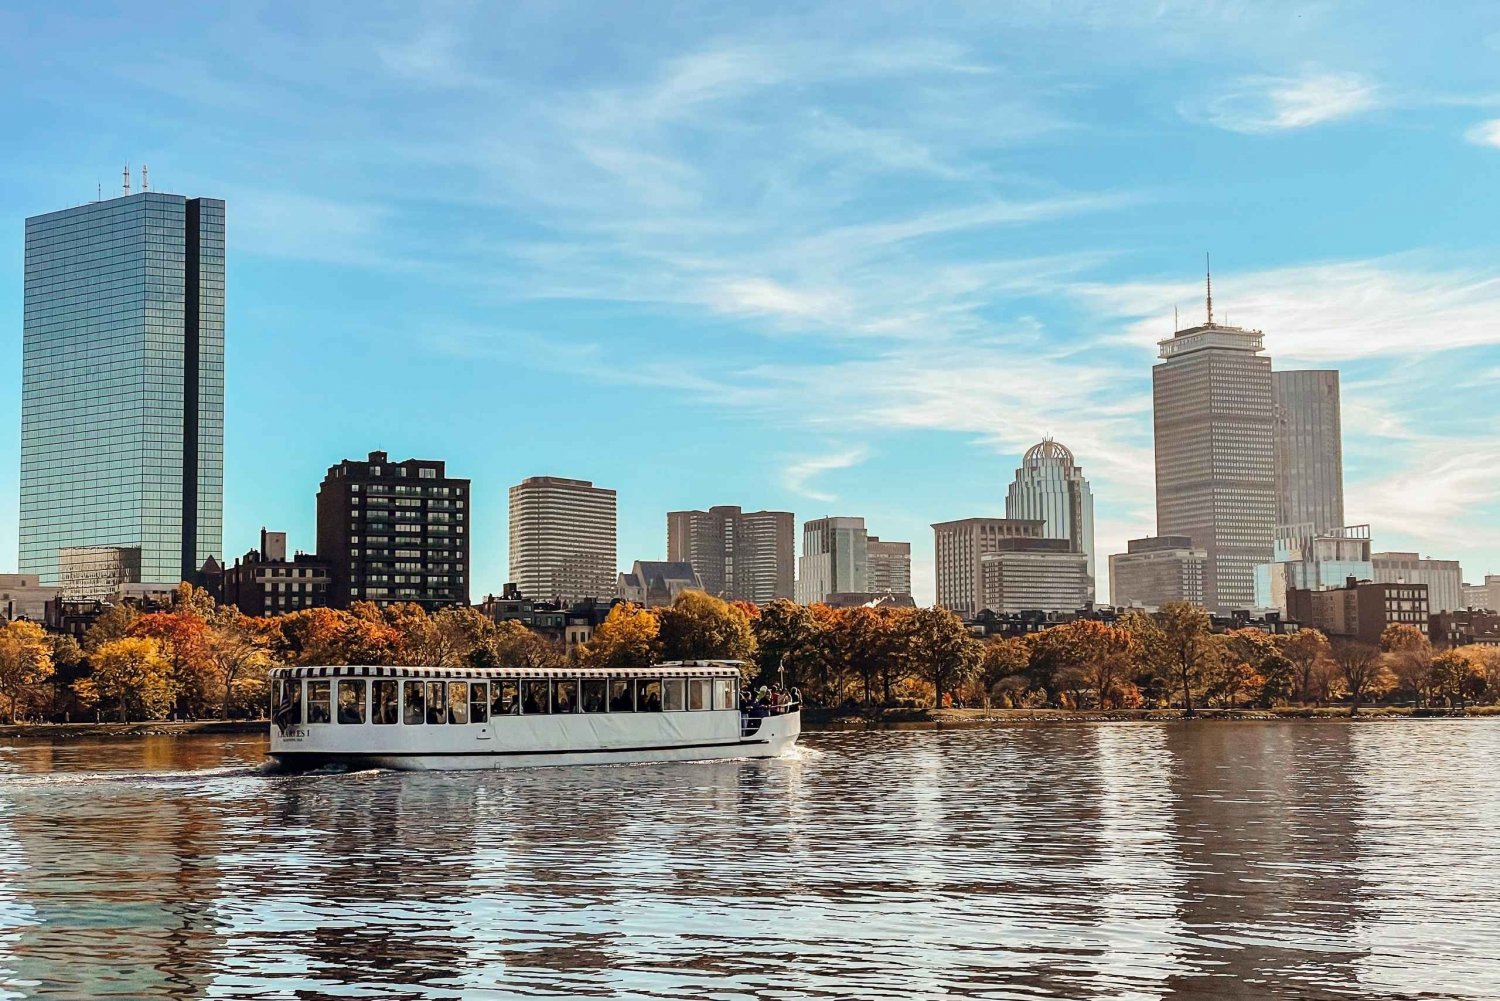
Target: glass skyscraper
1050 487
122 392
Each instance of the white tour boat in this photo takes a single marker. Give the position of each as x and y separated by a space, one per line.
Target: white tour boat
419 718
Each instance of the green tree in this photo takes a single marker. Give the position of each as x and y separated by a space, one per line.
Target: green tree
25 663
133 675
1278 680
786 638
626 638
698 626
941 650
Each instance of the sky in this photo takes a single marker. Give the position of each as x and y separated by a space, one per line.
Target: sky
843 259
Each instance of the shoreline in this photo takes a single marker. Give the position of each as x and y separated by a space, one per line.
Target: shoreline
816 719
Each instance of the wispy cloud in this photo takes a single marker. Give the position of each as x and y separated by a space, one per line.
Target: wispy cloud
797 477
1485 133
1263 104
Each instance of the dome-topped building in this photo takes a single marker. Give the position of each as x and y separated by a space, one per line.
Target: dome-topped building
1050 487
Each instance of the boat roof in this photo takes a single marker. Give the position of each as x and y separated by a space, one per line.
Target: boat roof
666 669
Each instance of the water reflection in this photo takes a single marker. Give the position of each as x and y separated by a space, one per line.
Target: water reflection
1131 861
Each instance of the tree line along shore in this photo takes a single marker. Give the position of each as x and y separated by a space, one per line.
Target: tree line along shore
200 660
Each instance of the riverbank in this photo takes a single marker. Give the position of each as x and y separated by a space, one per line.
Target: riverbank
815 718
150 728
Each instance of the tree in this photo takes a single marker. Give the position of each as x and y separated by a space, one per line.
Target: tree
1408 655
1457 675
1362 671
131 673
113 624
1307 650
183 636
626 638
698 626
511 644
1278 680
1003 661
25 662
942 650
445 638
1227 679
239 654
1187 645
786 638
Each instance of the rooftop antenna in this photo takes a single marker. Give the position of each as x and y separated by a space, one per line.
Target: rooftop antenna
1176 326
126 175
98 191
145 185
1208 271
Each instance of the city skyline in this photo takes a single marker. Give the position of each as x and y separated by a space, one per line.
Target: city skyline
883 356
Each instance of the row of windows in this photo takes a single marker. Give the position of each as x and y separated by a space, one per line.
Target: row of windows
386 701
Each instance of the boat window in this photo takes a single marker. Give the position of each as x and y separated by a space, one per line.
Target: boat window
318 698
534 698
724 693
621 696
593 694
565 696
506 701
352 701
416 710
671 694
384 702
697 694
436 690
648 696
479 703
288 711
458 702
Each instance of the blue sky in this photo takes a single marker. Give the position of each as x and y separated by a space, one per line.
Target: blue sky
843 259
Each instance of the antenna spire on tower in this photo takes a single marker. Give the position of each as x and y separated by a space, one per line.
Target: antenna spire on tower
126 175
1208 272
145 185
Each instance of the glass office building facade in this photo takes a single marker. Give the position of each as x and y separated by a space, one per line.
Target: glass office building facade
122 395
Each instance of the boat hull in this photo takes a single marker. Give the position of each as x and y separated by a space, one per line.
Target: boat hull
775 736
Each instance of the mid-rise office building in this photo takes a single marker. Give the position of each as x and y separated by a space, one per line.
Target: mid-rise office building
1215 456
1360 610
265 582
122 385
654 583
94 573
1314 561
1050 487
1156 571
835 557
1034 575
739 555
562 539
1444 578
394 532
1485 595
1309 453
957 550
24 596
888 567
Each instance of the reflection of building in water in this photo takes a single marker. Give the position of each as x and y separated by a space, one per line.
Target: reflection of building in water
1271 901
117 891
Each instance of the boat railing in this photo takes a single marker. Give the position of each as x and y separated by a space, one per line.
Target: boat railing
751 718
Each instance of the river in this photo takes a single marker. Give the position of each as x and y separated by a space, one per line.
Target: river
1200 860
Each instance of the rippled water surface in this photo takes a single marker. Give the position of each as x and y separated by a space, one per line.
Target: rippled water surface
1115 861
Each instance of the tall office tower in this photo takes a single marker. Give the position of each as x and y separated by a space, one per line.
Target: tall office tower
835 558
393 532
122 385
1156 571
958 548
1309 452
1444 578
562 539
1215 464
739 555
889 566
1049 487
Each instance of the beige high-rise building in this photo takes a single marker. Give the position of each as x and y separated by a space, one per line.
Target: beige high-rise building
889 566
1215 455
1034 575
562 539
739 555
1309 452
1156 571
1050 485
835 558
1444 578
1485 595
957 550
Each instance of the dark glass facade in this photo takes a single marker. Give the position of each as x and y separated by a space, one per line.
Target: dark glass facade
122 394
